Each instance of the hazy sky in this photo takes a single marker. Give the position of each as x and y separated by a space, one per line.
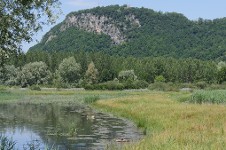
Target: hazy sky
192 9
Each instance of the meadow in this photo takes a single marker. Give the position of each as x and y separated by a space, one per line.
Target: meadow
169 120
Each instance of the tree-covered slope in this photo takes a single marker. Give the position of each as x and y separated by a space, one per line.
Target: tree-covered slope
122 30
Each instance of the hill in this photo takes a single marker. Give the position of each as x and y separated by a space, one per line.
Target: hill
139 32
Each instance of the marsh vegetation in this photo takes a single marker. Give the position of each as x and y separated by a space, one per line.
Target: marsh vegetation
168 119
53 119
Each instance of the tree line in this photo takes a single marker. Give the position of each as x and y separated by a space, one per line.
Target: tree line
80 69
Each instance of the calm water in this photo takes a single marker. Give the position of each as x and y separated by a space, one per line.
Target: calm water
62 127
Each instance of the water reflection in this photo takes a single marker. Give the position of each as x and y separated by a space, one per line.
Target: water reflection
64 127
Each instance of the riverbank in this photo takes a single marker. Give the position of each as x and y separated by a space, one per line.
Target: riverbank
170 124
167 121
62 115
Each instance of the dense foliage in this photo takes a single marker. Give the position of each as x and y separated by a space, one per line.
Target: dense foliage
160 34
20 19
163 49
34 73
69 70
74 68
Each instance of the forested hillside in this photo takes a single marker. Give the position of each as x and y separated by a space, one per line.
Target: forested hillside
120 47
139 32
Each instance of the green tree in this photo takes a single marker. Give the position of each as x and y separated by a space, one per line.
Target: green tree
11 75
34 73
69 70
91 75
127 75
221 74
20 19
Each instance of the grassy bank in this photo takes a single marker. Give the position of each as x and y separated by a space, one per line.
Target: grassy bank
63 96
167 119
170 124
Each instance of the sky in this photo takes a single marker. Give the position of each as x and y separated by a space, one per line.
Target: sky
192 9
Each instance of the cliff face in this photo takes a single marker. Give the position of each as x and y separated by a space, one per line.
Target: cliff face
100 25
97 24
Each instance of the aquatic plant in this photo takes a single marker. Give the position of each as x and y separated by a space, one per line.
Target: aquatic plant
6 143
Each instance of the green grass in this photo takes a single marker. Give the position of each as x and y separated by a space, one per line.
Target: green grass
170 124
168 121
17 95
6 96
208 96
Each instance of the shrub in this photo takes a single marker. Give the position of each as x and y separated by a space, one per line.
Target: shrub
140 84
160 86
187 85
110 85
160 78
35 88
201 84
89 87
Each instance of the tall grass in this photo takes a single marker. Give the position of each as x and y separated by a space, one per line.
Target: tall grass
208 96
91 99
169 124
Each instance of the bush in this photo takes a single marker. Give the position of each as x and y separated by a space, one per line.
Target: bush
140 84
110 85
115 85
35 88
201 84
160 78
160 86
187 85
89 87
